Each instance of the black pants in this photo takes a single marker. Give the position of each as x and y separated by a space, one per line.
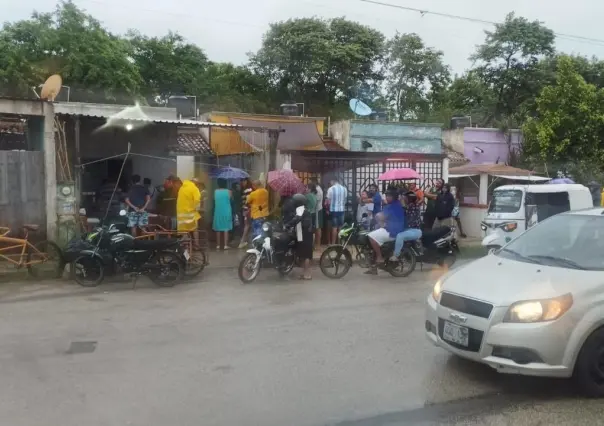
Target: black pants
429 220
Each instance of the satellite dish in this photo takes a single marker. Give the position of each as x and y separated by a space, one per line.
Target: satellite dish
51 88
359 107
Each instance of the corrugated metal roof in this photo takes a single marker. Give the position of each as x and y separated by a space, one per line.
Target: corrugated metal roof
191 143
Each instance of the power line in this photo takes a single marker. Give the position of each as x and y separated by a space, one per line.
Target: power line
475 20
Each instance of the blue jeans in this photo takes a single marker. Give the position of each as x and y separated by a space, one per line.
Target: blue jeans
257 226
409 234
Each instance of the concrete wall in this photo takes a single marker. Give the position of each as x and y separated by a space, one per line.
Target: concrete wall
492 141
389 136
470 220
340 132
454 139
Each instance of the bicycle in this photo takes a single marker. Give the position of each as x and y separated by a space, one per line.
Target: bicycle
21 253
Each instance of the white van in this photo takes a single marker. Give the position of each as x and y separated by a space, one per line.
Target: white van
515 208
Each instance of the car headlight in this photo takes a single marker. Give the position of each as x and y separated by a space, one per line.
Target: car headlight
437 290
539 310
509 227
483 226
265 227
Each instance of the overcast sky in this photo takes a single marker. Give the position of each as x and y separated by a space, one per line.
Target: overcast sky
228 29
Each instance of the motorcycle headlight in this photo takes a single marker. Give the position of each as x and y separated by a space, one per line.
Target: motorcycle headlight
529 311
266 227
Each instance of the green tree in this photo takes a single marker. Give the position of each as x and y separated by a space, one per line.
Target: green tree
168 66
508 65
415 76
227 87
318 61
95 63
569 121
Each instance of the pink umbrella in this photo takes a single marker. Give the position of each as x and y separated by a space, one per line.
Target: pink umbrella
285 182
400 174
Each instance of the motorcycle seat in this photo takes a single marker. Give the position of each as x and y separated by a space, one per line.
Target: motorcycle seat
428 237
159 244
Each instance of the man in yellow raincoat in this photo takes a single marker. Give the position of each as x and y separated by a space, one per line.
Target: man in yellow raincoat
187 208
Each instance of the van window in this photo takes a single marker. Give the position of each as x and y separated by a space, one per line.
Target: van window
548 203
506 201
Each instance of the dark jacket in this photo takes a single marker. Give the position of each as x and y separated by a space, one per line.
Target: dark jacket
445 202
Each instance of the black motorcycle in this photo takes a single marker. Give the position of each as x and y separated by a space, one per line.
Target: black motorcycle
274 248
439 247
114 252
336 260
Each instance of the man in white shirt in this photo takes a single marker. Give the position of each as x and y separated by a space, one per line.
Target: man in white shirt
337 196
319 220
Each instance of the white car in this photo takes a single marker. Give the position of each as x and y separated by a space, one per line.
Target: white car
534 307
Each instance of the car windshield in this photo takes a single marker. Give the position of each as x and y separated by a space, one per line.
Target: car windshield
565 240
506 201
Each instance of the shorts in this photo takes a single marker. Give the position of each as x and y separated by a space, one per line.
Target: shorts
448 221
304 248
380 236
257 226
337 219
320 214
137 219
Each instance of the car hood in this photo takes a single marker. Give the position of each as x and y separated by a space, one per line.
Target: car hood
504 281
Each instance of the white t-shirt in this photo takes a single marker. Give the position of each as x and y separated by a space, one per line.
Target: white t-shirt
319 198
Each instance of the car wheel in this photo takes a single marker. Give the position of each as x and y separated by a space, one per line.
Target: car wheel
589 369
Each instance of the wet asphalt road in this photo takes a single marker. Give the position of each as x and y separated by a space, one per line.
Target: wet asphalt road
214 352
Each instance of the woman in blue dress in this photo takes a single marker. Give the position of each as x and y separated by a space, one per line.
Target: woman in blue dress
223 214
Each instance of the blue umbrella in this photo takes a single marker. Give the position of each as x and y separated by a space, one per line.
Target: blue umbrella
231 173
561 180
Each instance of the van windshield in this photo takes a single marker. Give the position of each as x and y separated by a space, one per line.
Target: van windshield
506 201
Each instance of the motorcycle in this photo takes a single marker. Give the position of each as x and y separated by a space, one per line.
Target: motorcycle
439 247
113 251
339 256
273 248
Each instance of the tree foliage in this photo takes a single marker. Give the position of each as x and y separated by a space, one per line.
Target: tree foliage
569 120
71 43
508 64
415 76
318 61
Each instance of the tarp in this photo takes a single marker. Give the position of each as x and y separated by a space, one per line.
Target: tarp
296 135
526 178
462 176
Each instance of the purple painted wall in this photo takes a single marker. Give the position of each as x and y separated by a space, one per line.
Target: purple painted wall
492 142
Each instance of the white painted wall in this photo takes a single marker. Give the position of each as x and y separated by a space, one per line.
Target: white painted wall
453 139
340 132
185 166
470 220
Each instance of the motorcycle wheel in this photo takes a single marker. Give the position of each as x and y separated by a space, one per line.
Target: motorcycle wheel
405 266
196 264
88 271
288 266
169 269
250 264
329 259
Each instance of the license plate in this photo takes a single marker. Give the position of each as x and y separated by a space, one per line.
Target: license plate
186 254
456 334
